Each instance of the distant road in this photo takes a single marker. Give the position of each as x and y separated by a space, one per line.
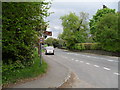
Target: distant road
97 70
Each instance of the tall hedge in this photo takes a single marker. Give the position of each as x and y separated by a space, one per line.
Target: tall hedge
20 29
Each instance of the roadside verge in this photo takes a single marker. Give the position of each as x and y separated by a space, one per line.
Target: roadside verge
57 74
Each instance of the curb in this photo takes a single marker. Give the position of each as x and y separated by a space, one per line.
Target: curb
66 79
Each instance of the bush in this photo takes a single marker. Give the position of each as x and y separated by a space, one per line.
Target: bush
87 46
95 46
15 71
20 30
79 46
111 48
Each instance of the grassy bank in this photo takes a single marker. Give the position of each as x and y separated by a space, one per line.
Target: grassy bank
12 76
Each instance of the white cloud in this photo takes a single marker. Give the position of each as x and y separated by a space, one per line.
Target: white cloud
48 29
57 27
62 7
56 30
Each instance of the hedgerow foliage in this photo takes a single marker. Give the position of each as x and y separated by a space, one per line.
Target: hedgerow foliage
104 28
21 23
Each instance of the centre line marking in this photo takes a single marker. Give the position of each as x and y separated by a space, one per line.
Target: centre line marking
106 68
83 55
111 60
76 60
81 61
116 73
72 59
88 63
76 54
96 66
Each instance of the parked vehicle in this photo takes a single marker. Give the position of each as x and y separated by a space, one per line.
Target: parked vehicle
49 50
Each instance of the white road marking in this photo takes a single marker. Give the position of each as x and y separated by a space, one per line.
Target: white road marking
94 57
88 56
100 58
88 63
106 68
76 60
76 54
72 59
110 60
68 53
81 61
96 66
83 55
116 73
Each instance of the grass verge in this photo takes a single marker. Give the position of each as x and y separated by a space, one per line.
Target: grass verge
28 72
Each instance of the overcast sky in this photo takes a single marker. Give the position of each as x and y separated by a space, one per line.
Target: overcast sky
62 7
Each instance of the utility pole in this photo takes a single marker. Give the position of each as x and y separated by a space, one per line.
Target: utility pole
41 40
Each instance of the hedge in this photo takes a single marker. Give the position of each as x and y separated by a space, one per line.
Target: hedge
94 46
87 46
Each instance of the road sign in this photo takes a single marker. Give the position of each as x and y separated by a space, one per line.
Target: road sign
41 40
48 33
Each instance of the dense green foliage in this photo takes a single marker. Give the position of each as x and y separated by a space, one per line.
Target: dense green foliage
107 32
55 42
104 29
22 22
96 18
74 28
86 46
49 41
52 42
14 72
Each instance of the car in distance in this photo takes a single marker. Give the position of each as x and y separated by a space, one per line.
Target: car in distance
49 50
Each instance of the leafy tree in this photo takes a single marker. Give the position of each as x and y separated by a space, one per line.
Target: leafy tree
49 41
96 18
52 42
55 42
20 20
75 28
107 32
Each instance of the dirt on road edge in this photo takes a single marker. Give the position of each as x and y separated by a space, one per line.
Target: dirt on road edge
74 82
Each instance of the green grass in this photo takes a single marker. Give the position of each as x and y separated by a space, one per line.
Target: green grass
0 72
28 72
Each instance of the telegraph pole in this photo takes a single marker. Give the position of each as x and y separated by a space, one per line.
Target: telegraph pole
41 40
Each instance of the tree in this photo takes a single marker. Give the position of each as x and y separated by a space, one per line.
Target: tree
20 20
96 18
49 41
75 28
107 32
52 42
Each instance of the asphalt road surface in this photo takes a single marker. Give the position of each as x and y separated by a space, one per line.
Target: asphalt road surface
98 70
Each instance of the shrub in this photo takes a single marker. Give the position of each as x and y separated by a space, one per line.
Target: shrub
15 71
111 47
79 46
87 46
95 46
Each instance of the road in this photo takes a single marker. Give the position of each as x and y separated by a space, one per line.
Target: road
98 70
